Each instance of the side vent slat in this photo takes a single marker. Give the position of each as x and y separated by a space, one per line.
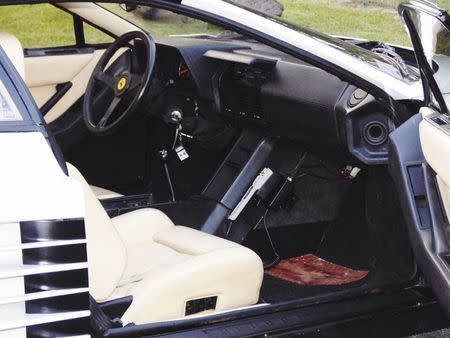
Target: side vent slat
37 245
15 320
25 270
40 295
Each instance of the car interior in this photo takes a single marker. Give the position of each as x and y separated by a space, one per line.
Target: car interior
236 175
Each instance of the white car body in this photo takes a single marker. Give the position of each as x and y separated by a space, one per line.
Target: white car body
33 186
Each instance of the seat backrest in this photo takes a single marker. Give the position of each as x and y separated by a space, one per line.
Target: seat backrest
106 251
13 49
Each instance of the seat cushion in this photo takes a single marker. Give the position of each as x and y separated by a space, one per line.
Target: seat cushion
169 265
103 194
163 266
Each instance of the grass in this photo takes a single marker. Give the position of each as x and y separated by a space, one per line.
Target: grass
348 19
44 25
37 26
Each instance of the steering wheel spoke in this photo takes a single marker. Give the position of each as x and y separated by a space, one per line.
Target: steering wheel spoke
112 107
106 79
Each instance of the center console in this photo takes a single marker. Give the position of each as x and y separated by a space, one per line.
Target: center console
209 211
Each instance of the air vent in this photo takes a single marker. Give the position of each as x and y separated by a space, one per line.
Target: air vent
375 133
44 279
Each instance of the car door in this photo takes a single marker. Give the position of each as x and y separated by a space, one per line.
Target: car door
420 149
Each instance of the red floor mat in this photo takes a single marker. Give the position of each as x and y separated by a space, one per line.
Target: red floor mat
312 270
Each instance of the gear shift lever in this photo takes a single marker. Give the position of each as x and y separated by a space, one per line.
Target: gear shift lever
163 154
175 117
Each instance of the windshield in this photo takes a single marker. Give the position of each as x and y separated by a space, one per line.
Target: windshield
164 23
393 66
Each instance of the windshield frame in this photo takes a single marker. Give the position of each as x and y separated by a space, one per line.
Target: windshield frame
433 96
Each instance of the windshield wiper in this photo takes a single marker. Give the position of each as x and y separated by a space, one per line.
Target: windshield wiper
390 54
231 35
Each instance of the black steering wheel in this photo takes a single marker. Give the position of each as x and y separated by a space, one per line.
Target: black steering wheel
118 84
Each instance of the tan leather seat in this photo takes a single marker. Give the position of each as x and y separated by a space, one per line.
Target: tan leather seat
13 48
163 266
103 194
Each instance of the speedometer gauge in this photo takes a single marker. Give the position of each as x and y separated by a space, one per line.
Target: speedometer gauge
183 71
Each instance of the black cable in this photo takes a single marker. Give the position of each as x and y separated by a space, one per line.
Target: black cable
272 245
277 255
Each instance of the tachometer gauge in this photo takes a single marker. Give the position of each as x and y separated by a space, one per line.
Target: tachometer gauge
183 71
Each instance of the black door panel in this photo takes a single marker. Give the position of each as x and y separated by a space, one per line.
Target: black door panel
421 205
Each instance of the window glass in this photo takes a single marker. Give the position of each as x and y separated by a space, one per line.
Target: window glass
160 22
38 26
94 36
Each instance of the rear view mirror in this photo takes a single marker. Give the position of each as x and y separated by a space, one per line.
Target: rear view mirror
128 7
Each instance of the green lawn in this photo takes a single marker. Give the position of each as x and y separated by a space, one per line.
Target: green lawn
373 23
44 25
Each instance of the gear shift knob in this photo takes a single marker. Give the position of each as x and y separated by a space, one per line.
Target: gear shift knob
176 116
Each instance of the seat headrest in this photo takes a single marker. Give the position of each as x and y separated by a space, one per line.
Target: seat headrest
13 48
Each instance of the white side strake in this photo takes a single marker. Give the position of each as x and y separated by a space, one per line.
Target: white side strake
38 245
42 295
14 316
13 297
27 270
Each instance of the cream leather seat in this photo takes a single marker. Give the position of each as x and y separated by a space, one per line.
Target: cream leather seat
13 48
103 194
163 266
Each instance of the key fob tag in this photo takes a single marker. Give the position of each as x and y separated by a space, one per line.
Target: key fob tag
182 153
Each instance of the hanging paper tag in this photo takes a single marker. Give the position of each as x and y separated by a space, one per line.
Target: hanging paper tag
182 153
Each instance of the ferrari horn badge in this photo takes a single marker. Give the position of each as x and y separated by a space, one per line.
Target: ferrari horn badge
122 84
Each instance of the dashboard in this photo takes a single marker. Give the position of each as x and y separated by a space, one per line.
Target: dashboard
246 84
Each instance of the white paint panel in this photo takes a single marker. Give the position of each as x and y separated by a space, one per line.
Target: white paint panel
33 185
10 235
12 287
15 333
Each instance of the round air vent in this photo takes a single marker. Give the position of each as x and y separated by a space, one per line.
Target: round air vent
375 133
